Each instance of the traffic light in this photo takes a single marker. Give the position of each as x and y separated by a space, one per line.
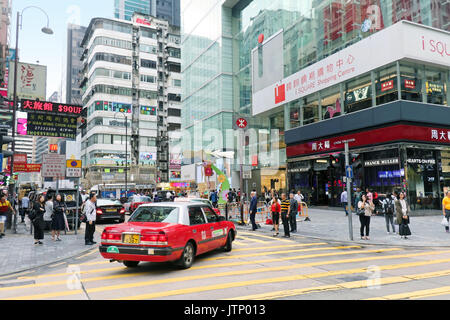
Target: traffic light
355 160
5 139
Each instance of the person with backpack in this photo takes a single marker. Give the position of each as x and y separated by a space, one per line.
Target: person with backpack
213 198
389 209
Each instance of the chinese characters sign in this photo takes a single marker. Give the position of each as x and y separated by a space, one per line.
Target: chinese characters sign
51 107
53 165
51 125
371 137
31 81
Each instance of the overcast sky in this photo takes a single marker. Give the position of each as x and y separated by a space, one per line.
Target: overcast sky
50 50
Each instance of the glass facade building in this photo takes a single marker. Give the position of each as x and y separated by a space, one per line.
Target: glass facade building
312 32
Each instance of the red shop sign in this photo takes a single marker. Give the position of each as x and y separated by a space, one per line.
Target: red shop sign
371 137
385 86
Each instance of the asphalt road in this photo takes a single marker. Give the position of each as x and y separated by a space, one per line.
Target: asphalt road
259 267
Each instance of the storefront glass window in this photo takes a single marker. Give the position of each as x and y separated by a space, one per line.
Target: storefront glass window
423 181
331 102
358 94
310 109
294 114
444 172
411 81
435 86
386 84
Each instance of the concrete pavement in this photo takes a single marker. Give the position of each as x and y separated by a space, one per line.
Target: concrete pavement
19 253
332 225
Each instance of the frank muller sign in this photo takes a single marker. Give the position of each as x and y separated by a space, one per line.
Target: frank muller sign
402 41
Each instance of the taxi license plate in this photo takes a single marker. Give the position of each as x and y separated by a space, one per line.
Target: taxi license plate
131 238
111 210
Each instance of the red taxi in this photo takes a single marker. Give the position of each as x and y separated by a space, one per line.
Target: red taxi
167 231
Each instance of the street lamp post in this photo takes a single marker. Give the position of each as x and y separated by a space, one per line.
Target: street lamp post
126 151
46 30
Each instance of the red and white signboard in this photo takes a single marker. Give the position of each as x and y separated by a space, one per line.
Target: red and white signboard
241 123
403 40
372 137
53 165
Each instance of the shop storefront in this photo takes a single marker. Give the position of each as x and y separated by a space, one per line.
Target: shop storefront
400 155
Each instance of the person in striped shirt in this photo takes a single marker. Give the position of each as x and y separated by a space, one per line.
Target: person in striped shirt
285 203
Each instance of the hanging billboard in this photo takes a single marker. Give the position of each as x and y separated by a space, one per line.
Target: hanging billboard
31 81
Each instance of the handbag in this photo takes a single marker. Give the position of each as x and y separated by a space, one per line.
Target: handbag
444 222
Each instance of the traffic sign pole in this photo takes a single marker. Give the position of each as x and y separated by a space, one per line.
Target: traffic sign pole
349 190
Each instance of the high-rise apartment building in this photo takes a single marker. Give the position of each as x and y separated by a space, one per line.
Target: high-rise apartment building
131 69
168 10
72 91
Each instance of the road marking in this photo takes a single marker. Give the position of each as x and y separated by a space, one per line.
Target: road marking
348 285
239 243
345 285
58 264
278 252
250 239
88 254
266 237
223 274
16 274
416 294
284 246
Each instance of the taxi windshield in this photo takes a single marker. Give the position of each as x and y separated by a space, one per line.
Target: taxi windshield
155 214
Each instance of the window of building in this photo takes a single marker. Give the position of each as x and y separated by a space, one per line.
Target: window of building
411 81
386 84
148 64
331 102
435 86
358 93
176 83
310 109
174 113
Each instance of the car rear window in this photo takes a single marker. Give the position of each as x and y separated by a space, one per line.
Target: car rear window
141 199
104 202
155 214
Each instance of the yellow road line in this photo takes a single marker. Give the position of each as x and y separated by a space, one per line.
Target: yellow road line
212 275
278 252
310 264
416 294
284 246
17 274
250 239
58 264
356 285
346 285
239 243
89 253
266 237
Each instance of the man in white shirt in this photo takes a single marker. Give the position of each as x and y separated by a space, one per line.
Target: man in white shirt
91 217
344 201
25 203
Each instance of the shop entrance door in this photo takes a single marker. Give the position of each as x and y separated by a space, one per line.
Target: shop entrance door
321 182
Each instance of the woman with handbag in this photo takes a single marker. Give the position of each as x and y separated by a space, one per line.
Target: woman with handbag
402 210
58 223
446 209
37 217
365 210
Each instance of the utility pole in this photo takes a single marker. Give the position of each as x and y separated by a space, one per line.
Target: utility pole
349 189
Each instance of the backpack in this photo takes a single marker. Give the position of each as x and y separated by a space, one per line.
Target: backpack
390 206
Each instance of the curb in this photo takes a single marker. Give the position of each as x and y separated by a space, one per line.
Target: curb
4 275
238 227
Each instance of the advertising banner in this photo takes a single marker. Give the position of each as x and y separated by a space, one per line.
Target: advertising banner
5 120
51 125
53 165
28 105
402 41
147 158
31 81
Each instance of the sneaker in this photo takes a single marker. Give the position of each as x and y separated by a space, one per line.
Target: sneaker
367 238
388 232
58 239
40 242
274 235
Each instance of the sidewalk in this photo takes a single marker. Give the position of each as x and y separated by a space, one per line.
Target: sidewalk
427 231
18 252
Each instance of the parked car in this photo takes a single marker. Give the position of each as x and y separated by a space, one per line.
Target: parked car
135 201
161 232
108 209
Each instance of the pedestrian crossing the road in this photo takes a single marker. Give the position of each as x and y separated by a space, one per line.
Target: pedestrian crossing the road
259 267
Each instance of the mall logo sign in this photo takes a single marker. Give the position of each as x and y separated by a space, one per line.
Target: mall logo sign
440 47
280 93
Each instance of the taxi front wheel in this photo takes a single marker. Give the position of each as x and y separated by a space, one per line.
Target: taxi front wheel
131 264
229 244
187 258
